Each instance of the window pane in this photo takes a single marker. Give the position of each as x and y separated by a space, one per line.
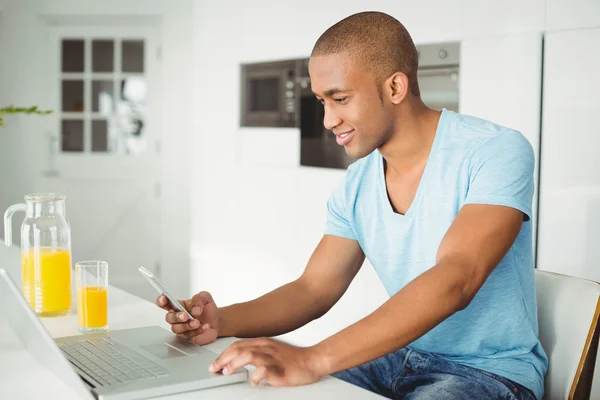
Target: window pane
72 55
103 56
132 55
129 128
72 135
134 90
99 135
102 97
72 96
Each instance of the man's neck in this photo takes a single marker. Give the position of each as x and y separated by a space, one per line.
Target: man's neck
411 143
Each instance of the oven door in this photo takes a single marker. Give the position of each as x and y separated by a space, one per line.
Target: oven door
439 87
318 147
268 95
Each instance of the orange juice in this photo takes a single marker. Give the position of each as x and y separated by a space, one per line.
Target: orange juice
92 307
46 280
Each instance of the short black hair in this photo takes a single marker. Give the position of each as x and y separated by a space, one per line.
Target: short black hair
378 41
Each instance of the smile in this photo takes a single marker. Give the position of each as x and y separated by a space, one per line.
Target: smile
344 138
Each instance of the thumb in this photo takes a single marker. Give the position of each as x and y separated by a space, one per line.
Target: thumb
274 378
198 302
258 375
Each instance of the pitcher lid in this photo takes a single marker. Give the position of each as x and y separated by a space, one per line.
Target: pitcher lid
42 197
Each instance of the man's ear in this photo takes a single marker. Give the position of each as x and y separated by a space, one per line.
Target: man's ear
397 87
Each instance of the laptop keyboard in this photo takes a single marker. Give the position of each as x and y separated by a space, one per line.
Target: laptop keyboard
109 362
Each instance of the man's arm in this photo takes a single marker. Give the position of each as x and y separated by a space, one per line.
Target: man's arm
329 272
476 242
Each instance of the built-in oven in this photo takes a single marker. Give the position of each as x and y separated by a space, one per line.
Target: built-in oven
318 147
268 94
438 76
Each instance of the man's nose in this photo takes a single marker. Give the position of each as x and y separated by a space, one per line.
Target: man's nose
331 119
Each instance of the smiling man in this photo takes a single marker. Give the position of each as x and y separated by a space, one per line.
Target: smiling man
440 203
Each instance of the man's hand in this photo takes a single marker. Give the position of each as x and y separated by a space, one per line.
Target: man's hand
204 328
277 363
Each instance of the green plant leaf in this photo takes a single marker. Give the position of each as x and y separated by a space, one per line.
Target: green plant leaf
25 110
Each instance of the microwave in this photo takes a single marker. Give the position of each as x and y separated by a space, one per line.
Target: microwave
268 93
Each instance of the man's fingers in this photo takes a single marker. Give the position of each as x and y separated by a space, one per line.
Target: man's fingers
174 317
163 303
200 336
190 334
201 299
258 375
186 326
249 356
227 355
248 351
196 310
195 332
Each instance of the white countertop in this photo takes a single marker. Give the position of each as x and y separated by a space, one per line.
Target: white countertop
21 377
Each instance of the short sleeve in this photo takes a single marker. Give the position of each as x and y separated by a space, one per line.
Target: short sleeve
501 173
338 220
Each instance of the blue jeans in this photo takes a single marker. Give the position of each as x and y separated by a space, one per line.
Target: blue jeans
407 374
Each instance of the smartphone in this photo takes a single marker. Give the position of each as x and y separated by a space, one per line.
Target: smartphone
161 290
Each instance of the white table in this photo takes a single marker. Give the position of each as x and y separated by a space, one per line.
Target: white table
21 377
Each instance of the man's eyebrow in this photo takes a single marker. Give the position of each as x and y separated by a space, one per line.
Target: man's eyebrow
332 91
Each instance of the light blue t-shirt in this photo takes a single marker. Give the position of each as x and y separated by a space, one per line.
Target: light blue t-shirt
471 161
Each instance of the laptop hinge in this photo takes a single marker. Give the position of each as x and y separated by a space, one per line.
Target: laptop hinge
88 380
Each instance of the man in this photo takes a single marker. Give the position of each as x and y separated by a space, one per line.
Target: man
440 204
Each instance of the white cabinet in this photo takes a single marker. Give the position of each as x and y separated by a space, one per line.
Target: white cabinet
569 211
572 14
500 80
569 230
491 17
426 21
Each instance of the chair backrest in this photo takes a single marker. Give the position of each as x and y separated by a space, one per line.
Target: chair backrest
568 310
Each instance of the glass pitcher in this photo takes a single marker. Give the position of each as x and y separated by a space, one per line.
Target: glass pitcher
45 252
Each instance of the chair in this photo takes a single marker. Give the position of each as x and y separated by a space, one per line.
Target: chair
568 310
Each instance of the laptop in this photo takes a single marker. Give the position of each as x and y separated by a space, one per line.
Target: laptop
122 364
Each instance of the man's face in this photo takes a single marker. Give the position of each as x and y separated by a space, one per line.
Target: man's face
353 108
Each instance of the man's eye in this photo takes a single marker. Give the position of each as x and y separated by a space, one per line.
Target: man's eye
321 101
341 100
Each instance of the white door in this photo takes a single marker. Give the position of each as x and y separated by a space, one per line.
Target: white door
107 147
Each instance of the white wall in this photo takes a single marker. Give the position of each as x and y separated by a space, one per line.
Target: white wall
253 227
572 14
177 121
256 214
24 142
3 169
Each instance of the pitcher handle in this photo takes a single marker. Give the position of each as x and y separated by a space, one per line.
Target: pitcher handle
8 221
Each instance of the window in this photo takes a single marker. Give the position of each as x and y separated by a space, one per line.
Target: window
103 83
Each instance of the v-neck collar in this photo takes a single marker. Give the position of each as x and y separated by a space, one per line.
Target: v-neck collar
428 166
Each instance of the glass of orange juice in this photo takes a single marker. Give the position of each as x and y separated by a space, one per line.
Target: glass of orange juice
92 295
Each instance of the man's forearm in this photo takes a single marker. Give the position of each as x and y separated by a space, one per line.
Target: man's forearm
283 310
406 316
